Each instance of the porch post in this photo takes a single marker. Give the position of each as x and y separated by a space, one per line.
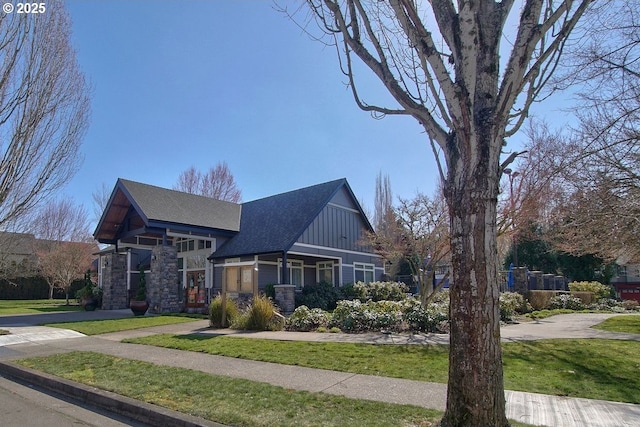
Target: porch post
285 269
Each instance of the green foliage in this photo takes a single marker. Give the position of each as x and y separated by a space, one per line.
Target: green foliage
141 293
599 290
90 290
270 291
433 318
33 288
320 295
511 303
304 319
380 291
540 300
215 312
355 316
259 316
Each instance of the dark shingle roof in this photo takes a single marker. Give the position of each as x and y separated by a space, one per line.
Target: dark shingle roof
161 204
273 224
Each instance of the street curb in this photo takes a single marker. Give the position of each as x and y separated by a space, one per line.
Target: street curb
143 412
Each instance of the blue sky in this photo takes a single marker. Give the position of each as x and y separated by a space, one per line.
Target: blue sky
182 83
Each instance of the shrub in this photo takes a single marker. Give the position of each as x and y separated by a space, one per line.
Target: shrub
510 304
433 318
540 300
607 304
566 301
585 296
380 291
270 291
215 312
630 305
261 315
304 319
321 295
599 290
355 316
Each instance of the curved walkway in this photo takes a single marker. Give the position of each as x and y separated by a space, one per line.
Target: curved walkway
531 408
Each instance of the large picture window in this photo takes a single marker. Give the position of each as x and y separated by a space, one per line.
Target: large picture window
363 272
325 272
295 273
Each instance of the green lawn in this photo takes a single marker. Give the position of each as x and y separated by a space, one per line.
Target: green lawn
595 369
226 400
627 324
96 327
9 307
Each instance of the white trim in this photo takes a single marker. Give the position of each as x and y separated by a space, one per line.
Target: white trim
236 264
313 255
307 245
346 208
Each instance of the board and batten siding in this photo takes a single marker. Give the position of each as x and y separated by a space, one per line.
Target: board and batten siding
337 226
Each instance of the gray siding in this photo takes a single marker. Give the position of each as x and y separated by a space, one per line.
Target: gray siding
336 227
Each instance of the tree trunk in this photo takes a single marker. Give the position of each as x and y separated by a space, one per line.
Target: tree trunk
50 291
475 394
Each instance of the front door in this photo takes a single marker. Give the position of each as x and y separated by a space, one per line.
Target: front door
196 291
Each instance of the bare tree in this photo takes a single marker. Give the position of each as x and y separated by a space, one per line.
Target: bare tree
61 263
218 183
62 221
100 198
44 109
441 64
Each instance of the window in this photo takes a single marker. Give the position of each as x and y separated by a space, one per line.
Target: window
325 272
363 272
295 273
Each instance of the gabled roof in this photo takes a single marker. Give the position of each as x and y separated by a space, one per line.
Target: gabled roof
275 223
162 208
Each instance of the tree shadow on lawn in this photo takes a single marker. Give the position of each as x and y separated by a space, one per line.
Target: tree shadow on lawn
592 368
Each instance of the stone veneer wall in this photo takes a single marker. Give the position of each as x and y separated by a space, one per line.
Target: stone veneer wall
286 298
163 291
115 295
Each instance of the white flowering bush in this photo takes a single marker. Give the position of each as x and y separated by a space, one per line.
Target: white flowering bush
433 318
566 301
510 304
305 319
380 291
356 316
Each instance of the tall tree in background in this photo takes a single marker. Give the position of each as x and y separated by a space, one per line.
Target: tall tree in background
441 64
44 110
383 215
217 183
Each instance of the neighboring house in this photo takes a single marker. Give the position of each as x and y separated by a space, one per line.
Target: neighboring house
627 282
18 254
195 245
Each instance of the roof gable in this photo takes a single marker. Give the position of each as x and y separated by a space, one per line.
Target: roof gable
275 223
161 207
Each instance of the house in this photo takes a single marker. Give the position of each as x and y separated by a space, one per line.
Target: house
195 247
626 282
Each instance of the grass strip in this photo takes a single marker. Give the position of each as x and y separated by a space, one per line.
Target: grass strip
589 368
10 307
629 324
97 327
226 400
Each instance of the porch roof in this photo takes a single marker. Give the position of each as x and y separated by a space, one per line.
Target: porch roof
160 208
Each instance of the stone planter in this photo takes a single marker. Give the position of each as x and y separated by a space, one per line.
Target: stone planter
89 304
139 308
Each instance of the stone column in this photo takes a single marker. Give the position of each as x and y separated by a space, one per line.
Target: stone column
163 291
115 295
286 298
520 284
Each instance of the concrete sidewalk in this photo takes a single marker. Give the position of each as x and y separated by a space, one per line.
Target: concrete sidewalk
531 408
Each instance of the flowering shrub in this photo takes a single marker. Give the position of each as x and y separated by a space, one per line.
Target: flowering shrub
380 291
434 318
304 319
355 316
566 301
510 304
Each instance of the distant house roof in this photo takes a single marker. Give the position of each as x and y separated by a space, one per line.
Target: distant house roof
162 208
275 223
